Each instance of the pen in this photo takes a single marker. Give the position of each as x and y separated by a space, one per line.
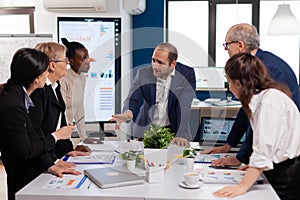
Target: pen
88 187
224 167
74 123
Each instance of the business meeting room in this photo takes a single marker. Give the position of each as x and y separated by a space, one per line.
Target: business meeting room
149 99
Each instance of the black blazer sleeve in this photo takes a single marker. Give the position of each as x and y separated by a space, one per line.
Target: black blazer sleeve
45 114
18 138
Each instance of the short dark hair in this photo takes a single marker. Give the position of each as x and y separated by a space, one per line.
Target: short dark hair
27 64
71 47
173 53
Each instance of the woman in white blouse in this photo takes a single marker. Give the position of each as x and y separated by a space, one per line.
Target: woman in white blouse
275 121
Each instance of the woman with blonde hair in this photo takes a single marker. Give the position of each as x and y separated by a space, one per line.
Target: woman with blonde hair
48 114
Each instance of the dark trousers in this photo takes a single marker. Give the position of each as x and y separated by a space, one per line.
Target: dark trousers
19 173
285 179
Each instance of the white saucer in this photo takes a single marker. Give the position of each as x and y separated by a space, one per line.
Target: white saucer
184 185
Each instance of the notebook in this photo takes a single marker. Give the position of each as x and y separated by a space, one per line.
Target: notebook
214 132
95 157
112 177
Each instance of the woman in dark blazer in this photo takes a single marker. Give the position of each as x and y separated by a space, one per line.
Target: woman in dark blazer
21 146
48 114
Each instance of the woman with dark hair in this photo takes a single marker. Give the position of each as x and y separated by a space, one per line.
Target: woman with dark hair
73 84
20 145
274 118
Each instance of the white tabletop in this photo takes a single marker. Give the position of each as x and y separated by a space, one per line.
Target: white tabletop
169 189
202 104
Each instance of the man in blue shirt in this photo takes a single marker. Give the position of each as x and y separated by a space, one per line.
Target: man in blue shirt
244 38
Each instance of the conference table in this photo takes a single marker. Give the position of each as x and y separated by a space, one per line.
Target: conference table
168 189
208 109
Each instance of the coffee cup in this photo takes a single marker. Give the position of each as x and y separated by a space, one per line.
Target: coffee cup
191 178
229 97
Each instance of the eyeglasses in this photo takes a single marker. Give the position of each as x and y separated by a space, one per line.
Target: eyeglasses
66 60
225 45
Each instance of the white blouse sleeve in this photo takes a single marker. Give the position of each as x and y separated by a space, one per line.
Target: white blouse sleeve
267 130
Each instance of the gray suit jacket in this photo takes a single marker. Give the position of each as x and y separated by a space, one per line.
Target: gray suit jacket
141 100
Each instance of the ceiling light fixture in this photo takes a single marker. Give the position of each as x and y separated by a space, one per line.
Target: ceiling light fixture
284 22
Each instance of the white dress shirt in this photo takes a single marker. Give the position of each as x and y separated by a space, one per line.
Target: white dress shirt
54 86
276 129
160 116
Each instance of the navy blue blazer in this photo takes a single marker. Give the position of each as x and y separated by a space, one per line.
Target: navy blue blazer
141 100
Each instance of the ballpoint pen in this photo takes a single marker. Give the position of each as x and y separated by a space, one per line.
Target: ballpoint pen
88 187
74 123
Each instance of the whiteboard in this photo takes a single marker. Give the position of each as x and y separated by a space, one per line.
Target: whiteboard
9 44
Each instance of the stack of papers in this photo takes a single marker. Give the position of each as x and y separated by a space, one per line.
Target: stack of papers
100 157
108 146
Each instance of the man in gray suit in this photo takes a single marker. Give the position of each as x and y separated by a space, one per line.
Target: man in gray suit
165 89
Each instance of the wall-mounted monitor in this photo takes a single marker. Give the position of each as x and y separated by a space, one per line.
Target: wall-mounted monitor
102 38
210 77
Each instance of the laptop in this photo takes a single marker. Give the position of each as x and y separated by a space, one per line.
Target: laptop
111 177
214 132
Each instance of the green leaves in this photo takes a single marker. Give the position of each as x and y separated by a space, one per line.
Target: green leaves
129 155
157 137
189 152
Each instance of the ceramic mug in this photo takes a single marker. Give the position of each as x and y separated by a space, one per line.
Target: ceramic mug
191 178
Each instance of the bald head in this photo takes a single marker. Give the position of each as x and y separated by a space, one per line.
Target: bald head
246 33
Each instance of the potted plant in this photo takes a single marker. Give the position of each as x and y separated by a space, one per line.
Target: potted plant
157 137
189 152
131 158
156 142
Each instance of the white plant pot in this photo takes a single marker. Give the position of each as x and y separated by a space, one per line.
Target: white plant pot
131 165
189 164
156 157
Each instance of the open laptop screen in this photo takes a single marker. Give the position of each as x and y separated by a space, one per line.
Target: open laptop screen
216 130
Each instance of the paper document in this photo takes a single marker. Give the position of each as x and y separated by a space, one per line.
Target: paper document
99 157
66 182
211 175
208 158
107 146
